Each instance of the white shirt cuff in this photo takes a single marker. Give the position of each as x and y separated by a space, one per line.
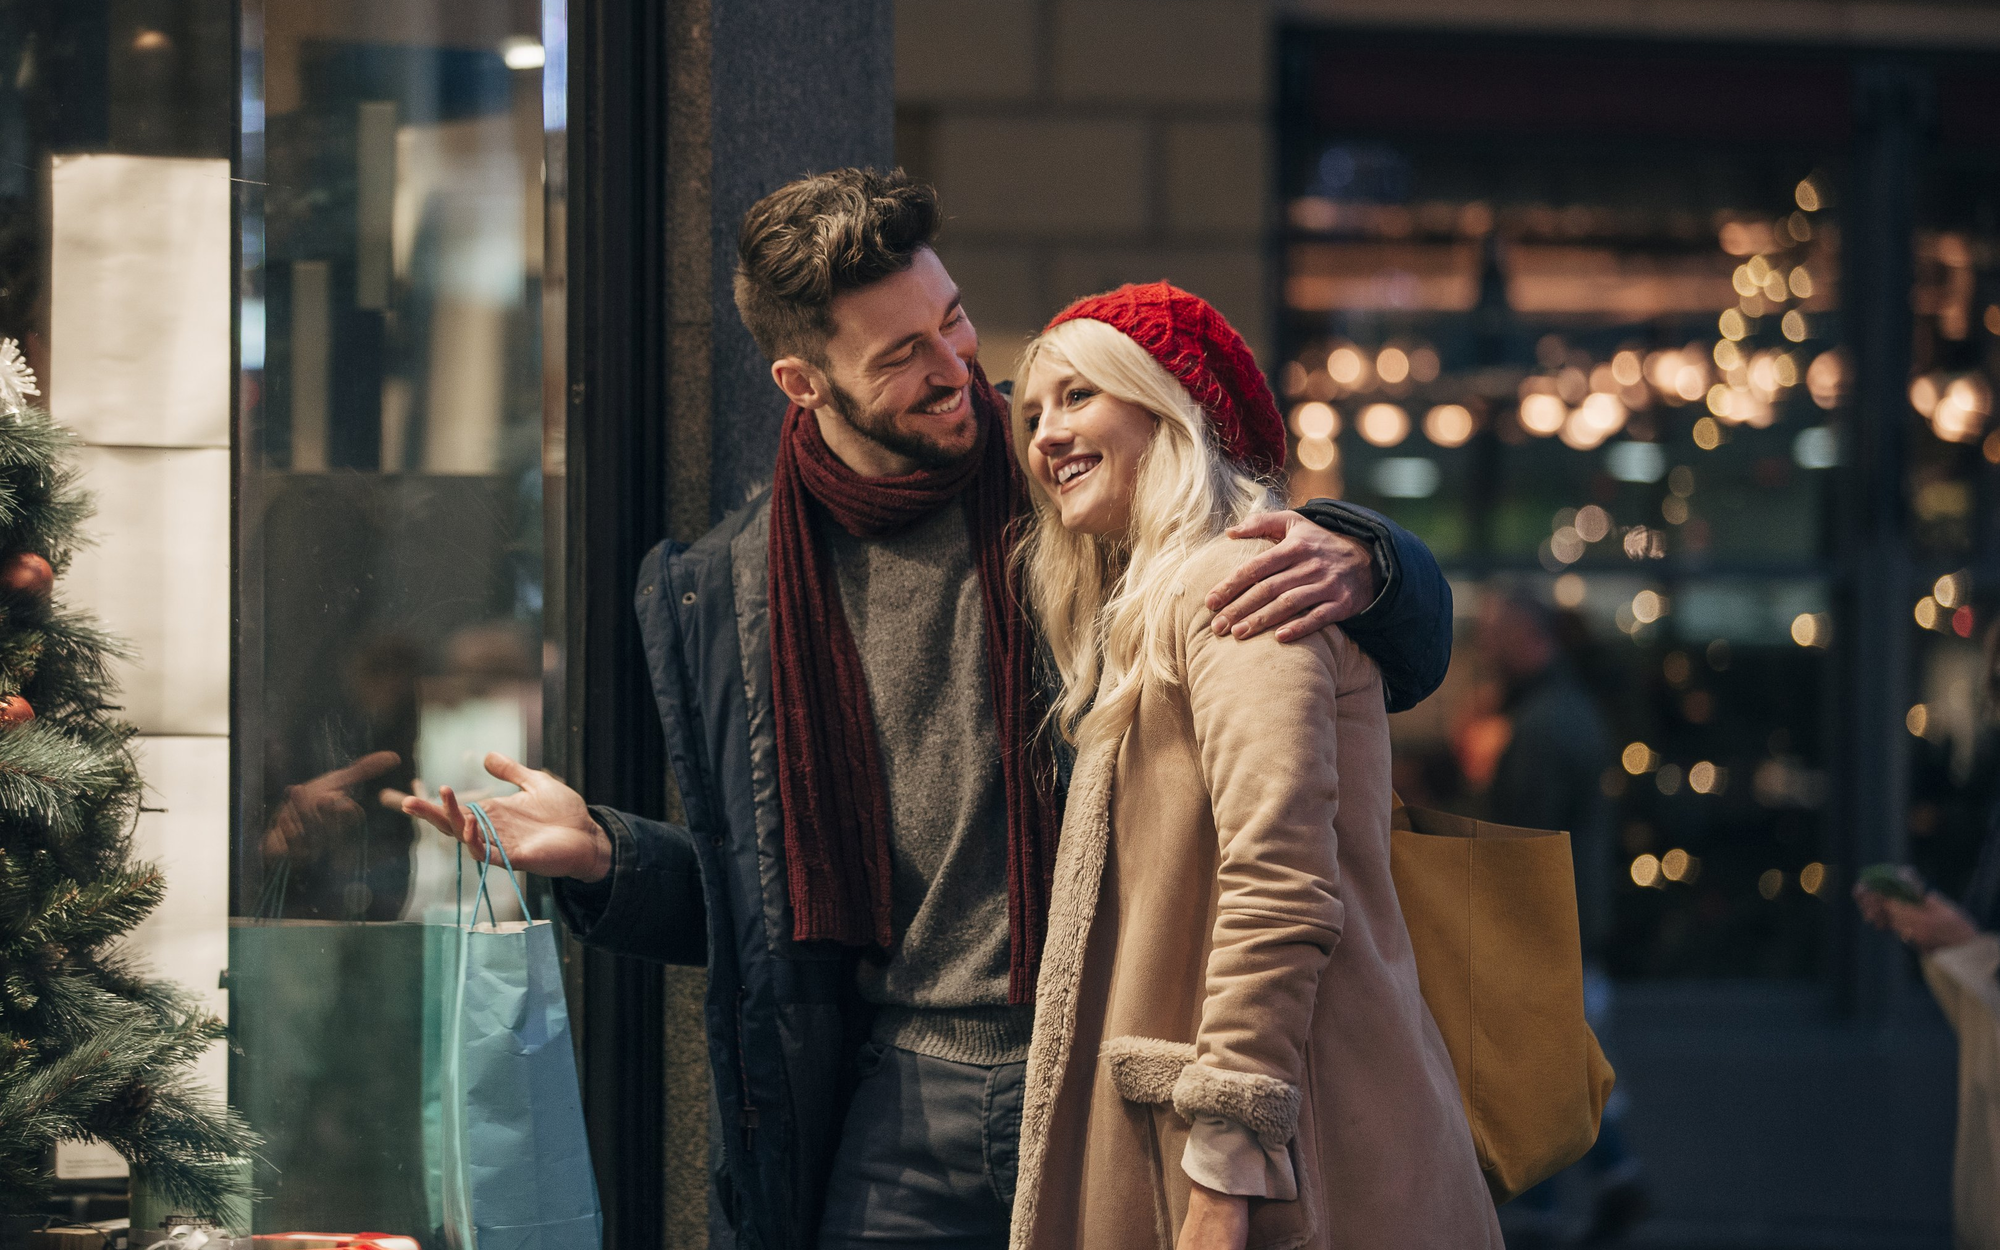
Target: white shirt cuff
1227 1157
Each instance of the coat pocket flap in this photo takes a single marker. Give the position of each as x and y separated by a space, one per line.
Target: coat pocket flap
1144 1069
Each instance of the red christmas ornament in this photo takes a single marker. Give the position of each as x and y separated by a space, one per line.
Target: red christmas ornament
14 710
25 573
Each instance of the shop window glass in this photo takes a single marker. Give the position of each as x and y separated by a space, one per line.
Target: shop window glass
1953 489
1588 346
391 558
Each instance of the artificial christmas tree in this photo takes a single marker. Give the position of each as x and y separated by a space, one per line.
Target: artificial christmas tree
90 1046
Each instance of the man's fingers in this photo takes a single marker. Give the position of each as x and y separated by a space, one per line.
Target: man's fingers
1263 525
1254 612
430 813
442 819
1246 575
511 771
1311 623
391 798
1248 588
368 767
1290 604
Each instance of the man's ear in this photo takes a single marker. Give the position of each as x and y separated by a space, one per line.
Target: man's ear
803 382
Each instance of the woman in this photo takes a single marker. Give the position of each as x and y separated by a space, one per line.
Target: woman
1230 1048
1960 949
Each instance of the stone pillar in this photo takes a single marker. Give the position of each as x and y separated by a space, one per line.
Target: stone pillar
796 88
759 92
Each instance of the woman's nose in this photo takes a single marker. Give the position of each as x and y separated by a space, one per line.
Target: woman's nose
1051 436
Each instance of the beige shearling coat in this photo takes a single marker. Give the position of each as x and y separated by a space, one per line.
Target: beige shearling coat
1224 938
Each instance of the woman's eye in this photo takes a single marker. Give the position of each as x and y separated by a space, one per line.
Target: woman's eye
1077 395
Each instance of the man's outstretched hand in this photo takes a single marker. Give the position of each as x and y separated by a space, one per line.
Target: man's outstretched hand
1312 579
546 828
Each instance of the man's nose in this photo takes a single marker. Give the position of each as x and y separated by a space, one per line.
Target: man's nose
955 371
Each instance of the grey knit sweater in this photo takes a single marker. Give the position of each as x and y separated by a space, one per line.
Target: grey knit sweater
914 604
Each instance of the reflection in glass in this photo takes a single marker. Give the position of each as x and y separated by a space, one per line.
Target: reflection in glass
1954 513
394 430
390 562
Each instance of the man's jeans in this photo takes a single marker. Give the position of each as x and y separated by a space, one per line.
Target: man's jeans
927 1156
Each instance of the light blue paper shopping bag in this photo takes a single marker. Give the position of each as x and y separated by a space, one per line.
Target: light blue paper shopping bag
515 1164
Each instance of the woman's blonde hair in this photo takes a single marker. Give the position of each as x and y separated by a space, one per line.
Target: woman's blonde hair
1104 602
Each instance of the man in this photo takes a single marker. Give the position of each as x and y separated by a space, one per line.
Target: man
1550 776
853 712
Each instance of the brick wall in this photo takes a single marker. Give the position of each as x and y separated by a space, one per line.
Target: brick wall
1078 144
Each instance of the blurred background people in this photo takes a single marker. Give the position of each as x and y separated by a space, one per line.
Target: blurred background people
1959 946
1553 748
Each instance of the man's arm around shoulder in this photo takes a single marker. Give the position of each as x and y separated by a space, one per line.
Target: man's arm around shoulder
1407 629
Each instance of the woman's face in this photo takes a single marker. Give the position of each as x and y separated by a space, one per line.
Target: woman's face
1084 447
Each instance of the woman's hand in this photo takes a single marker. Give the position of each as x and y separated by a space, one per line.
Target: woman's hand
546 828
1312 579
1931 925
1215 1221
1874 905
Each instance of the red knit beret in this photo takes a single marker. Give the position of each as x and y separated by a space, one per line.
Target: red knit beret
1206 355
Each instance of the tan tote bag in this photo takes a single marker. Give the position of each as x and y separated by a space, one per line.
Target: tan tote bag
1492 915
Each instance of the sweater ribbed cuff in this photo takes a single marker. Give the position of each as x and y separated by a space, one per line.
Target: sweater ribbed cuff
982 1035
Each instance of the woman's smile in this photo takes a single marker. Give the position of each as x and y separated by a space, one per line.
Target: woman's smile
1070 469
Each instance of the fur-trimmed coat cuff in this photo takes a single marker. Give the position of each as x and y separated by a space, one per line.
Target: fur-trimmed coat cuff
1263 1104
1144 1069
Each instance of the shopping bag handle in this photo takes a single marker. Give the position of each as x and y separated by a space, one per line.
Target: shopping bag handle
493 843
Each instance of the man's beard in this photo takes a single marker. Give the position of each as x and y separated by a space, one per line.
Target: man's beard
879 427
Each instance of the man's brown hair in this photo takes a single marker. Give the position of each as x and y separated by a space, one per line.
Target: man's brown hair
822 236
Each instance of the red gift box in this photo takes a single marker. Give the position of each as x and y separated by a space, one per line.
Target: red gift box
333 1241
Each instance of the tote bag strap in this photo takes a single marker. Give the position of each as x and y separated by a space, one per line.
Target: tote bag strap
493 843
461 1231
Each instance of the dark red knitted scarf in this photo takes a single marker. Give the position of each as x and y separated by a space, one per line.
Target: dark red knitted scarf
831 785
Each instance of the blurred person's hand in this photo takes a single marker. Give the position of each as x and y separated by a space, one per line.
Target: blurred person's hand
1312 579
1874 905
546 827
314 811
1931 925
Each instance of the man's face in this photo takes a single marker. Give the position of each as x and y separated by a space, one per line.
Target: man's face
1511 641
899 365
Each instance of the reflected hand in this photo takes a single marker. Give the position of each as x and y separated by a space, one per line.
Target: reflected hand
1215 1221
546 828
1312 579
314 809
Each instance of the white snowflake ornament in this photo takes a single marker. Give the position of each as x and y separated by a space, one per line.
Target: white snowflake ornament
17 381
